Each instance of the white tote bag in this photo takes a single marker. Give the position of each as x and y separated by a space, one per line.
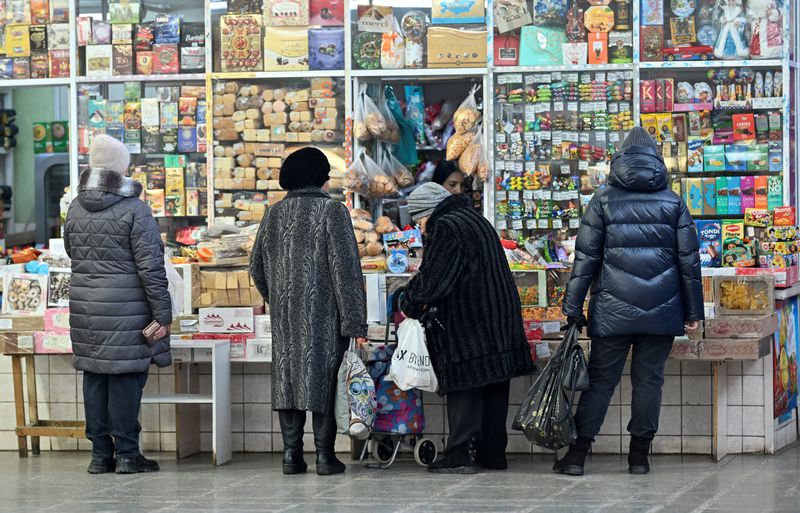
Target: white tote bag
175 286
411 365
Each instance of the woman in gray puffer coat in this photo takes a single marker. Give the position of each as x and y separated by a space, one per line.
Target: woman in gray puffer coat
305 264
119 286
637 252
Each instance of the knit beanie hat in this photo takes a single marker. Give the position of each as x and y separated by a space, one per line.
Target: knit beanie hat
306 167
424 199
109 154
639 137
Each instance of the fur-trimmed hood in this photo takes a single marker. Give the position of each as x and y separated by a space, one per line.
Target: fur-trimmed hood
101 188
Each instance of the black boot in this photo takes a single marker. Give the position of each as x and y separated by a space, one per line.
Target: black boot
457 460
100 465
292 424
325 442
136 464
637 455
572 462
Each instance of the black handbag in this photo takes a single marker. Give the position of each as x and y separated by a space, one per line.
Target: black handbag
546 415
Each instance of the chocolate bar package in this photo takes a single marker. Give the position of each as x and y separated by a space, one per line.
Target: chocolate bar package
285 49
38 37
145 36
165 59
193 59
187 139
144 62
326 49
709 235
326 12
40 12
39 65
59 63
169 140
173 205
168 29
101 32
241 43
156 176
150 139
123 60
193 34
58 36
192 202
187 108
122 34
123 11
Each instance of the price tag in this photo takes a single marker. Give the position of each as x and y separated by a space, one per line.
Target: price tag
501 196
547 194
586 78
519 168
555 76
514 78
509 127
500 138
558 224
530 111
584 137
571 77
558 106
502 224
515 137
624 107
543 224
574 223
601 107
531 224
601 138
583 165
566 169
572 106
613 137
600 76
613 108
558 138
527 195
517 224
513 195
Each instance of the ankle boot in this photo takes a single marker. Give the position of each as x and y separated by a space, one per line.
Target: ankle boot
572 462
292 424
637 455
325 442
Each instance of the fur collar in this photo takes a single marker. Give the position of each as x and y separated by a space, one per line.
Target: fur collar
103 180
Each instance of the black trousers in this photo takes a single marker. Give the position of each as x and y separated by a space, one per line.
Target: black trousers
480 413
112 403
606 363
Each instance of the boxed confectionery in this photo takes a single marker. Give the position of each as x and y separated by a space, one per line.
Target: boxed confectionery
744 295
448 47
226 320
741 326
18 342
52 342
227 287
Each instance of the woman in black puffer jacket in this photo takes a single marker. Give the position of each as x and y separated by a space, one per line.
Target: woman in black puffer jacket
637 252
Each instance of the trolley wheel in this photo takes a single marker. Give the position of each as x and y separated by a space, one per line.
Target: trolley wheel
425 451
383 449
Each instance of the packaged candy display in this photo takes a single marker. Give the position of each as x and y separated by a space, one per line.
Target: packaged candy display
687 30
553 135
750 295
256 125
285 35
124 44
446 34
560 32
35 40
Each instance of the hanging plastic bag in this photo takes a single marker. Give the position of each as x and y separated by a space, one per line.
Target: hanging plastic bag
457 144
375 121
392 133
175 285
355 397
411 364
467 116
402 175
483 170
356 178
444 116
468 161
415 111
360 131
381 185
405 148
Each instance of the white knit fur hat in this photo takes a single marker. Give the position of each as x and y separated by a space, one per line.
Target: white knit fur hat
109 154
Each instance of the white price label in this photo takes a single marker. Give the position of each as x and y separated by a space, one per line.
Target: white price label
530 111
584 137
583 165
501 196
624 107
513 195
613 137
558 224
600 76
601 138
547 194
527 195
509 127
613 108
565 169
502 224
555 76
531 224
517 224
586 78
515 137
558 106
572 106
543 224
574 223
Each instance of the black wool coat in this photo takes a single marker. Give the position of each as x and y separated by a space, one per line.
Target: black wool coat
637 251
478 337
118 284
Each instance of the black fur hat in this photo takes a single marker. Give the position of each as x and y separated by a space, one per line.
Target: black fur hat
307 167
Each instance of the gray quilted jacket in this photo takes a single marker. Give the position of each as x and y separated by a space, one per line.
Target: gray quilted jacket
119 284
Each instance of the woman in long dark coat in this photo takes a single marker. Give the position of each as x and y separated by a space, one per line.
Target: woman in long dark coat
305 264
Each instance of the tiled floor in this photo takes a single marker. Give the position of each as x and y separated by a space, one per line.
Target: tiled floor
57 482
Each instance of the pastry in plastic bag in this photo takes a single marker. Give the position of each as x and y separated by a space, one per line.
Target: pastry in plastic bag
466 117
471 157
457 144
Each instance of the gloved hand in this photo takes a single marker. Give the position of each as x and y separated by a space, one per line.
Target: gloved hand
579 322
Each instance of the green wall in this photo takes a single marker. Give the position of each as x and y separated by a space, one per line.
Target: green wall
31 104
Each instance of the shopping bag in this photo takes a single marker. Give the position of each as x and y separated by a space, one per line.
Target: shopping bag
175 286
355 397
411 365
546 414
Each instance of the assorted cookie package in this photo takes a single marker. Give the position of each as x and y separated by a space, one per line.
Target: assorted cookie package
24 294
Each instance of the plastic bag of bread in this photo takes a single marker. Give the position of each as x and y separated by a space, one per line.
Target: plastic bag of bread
375 121
392 167
483 169
356 179
381 185
392 133
385 225
467 116
360 131
457 144
468 161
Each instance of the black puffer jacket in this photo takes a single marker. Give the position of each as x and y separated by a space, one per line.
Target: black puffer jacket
465 276
119 284
637 249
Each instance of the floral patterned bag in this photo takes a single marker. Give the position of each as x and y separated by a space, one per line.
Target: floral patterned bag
355 397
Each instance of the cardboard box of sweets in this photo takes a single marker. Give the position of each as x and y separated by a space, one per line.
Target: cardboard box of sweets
741 326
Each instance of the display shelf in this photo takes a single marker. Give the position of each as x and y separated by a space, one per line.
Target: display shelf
562 68
751 63
178 399
422 74
34 82
259 75
178 77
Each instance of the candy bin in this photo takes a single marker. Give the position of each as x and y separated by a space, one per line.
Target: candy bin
532 289
744 295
